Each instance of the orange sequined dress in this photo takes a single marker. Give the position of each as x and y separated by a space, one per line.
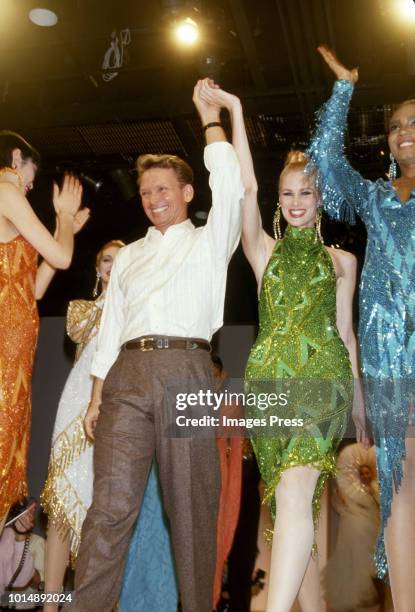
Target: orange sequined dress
19 322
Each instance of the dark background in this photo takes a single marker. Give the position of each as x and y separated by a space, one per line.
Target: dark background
53 91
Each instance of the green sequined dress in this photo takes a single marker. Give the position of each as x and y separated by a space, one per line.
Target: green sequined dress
298 352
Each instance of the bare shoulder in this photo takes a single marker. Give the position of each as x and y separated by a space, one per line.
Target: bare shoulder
348 259
8 191
10 198
344 262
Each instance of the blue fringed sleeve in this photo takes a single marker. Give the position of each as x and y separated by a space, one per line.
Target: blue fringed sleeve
343 190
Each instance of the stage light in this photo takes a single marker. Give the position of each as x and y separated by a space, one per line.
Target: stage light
43 17
407 9
96 184
187 31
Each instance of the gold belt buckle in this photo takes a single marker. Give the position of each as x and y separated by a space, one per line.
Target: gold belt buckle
143 346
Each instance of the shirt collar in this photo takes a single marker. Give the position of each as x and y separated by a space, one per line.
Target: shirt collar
177 229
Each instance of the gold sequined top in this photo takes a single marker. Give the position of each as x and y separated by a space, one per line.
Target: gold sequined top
82 321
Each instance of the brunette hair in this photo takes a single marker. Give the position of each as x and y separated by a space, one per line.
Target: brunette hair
9 141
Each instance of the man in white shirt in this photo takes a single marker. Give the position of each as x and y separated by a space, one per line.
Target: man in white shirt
164 302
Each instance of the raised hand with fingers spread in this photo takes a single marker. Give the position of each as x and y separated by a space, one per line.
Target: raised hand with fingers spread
68 198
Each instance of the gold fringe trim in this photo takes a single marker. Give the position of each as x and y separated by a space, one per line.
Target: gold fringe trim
58 516
325 464
66 449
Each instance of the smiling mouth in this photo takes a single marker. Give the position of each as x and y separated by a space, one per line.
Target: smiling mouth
159 209
406 143
296 213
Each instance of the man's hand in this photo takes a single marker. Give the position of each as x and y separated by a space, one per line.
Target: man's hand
91 418
207 110
337 67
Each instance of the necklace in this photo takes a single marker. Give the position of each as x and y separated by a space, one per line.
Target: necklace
7 169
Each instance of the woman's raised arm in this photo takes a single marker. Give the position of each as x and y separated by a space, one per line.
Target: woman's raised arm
16 209
344 191
257 245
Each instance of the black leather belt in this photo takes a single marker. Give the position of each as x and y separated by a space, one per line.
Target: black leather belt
153 343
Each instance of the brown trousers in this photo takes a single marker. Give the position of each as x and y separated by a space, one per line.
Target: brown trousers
133 425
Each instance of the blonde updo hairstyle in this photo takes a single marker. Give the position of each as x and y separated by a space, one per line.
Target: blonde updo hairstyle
112 243
295 160
295 156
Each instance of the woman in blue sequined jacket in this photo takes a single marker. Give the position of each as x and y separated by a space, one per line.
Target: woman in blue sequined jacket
387 310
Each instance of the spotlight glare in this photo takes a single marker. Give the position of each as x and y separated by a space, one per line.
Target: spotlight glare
407 9
201 214
187 31
43 17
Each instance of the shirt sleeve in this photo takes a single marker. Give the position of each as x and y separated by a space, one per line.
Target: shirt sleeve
343 190
223 225
112 324
6 556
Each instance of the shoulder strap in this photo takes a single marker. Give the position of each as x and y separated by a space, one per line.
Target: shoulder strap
21 564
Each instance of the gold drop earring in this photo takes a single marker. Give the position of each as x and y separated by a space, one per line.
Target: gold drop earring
276 223
95 290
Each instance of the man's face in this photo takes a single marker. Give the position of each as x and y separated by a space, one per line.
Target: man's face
164 199
27 521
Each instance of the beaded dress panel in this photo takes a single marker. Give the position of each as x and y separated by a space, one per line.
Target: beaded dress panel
387 296
19 324
299 352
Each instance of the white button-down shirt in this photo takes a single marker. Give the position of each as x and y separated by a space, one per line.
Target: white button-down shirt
174 283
